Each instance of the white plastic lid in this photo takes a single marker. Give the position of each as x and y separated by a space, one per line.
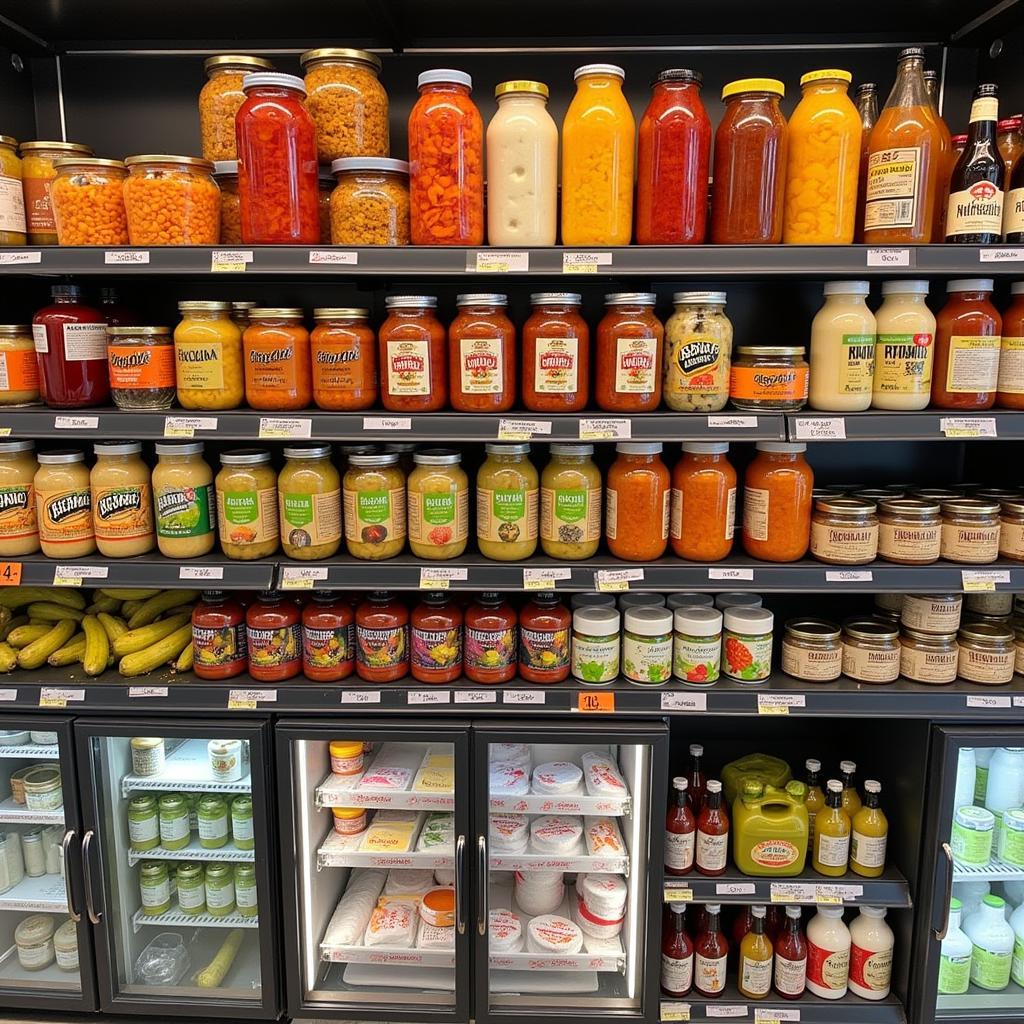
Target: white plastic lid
599 69
971 284
444 75
848 767
713 786
258 78
745 619
899 287
830 911
834 786
781 447
793 912
706 447
592 601
680 783
696 749
812 764
686 599
733 598
757 911
596 621
698 621
641 600
871 786
639 447
847 288
878 912
648 621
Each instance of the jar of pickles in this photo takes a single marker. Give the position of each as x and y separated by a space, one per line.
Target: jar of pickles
12 198
208 357
370 203
171 200
88 202
698 352
38 171
220 99
225 173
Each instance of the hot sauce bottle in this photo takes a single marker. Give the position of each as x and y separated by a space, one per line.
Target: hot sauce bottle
695 778
755 971
676 955
712 832
680 832
791 958
710 955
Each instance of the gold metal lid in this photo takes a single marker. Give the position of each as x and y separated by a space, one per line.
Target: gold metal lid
132 332
929 639
167 158
853 508
770 350
970 507
340 313
8 140
912 508
813 629
237 60
986 631
870 629
325 53
87 162
521 86
202 306
274 313
15 331
57 147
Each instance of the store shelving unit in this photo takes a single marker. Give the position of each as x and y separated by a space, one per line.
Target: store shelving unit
177 918
808 1009
229 854
186 769
12 813
43 893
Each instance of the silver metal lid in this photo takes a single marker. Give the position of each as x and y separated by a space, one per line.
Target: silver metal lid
373 459
410 301
437 457
245 457
699 298
182 448
11 447
481 299
225 168
507 449
444 76
630 299
565 298
273 78
308 451
599 69
813 629
369 163
117 448
60 457
572 450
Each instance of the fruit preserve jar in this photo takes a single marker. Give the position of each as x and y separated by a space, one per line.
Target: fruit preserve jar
556 354
38 171
12 200
344 351
777 502
171 200
219 100
413 360
637 496
482 354
967 347
277 366
88 202
629 349
71 348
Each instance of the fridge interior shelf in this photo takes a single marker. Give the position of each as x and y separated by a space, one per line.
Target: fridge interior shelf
397 955
176 918
346 791
994 871
187 768
194 851
50 978
808 1009
44 893
19 814
540 803
979 1001
547 862
34 751
339 851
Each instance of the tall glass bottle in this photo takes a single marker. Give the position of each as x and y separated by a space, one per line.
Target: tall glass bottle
1013 206
711 955
931 84
815 796
677 955
832 834
865 99
974 214
680 832
754 980
851 798
696 778
904 161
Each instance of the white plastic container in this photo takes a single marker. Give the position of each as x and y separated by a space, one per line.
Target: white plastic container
871 943
828 954
905 347
955 956
842 354
970 895
982 759
966 769
1005 786
1016 922
992 942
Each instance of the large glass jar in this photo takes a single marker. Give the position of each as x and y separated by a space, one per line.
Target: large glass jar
967 344
382 638
824 141
673 157
750 165
698 353
274 631
491 640
225 173
247 504
703 512
413 355
71 349
19 370
482 354
446 162
629 353
556 354
140 361
19 529
184 500
436 639
522 167
220 644
38 171
1011 353
373 493
545 625
904 349
842 357
598 143
343 348
12 196
507 503
370 203
309 503
328 649
570 503
64 505
219 100
777 502
122 500
278 375
208 357
171 200
88 202
637 502
348 104
277 168
438 499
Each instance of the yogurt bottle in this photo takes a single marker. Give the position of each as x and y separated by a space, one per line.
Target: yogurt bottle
1017 963
955 956
1005 784
871 954
966 770
992 941
828 953
970 895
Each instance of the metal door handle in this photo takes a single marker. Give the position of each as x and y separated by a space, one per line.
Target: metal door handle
460 884
87 873
940 933
65 845
482 869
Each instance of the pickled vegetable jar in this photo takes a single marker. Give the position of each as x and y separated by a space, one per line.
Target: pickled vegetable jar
184 501
220 889
247 504
277 168
598 142
212 815
507 498
12 198
556 354
370 203
373 492
141 367
143 823
438 505
19 370
967 347
174 821
824 138
19 529
246 893
703 502
225 173
344 355
38 171
208 357
272 626
88 202
570 503
750 165
698 353
413 355
446 162
637 502
629 353
777 502
171 200
545 627
71 350
154 888
673 156
122 499
219 100
190 882
309 503
482 354
277 366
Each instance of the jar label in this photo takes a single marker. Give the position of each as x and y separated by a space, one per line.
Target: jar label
481 369
1018 667
65 516
696 659
509 516
972 544
975 210
1011 366
647 659
832 851
219 645
328 648
544 651
199 367
636 365
85 342
774 853
1011 537
868 851
680 850
871 969
241 829
828 968
908 543
436 649
192 896
755 976
309 519
871 665
557 366
19 370
929 615
140 366
1013 212
219 895
214 828
747 658
709 973
790 975
173 829
696 363
955 971
12 205
676 975
844 545
438 517
711 851
769 384
408 368
271 367
373 517
123 513
143 830
40 339
596 660
570 515
271 648
1011 846
923 666
338 365
382 648
856 364
38 208
985 666
903 364
755 513
973 366
814 664
67 960
490 650
18 512
248 517
894 188
185 511
245 895
990 969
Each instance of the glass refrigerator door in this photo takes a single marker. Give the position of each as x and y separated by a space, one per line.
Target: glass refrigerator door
568 910
177 866
374 824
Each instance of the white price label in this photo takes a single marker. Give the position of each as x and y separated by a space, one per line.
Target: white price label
126 256
820 428
276 427
496 261
387 423
968 426
675 1011
605 430
987 701
8 694
437 578
186 426
713 1010
779 703
476 697
730 574
735 889
544 579
774 1016
1018 702
684 702
201 572
523 697
888 258
792 892
76 422
230 260
612 580
317 256
733 422
248 699
72 575
11 259
848 576
56 697
147 691
522 430
585 262
1003 255
983 579
428 697
360 696
301 577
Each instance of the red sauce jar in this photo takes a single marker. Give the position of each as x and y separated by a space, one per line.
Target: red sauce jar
673 153
482 354
1011 353
436 639
413 356
275 638
71 350
278 177
965 374
328 638
382 638
556 354
219 642
491 640
544 626
629 344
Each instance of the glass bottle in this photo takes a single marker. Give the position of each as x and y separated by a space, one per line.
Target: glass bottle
967 347
114 313
680 831
851 798
974 215
791 958
949 158
904 347
815 797
870 832
866 101
832 834
741 925
712 853
842 356
711 955
754 980
676 955
1010 143
696 782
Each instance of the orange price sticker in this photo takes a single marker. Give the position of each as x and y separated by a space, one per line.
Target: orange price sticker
10 574
601 703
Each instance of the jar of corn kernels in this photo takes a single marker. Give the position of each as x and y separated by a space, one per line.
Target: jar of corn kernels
370 203
171 200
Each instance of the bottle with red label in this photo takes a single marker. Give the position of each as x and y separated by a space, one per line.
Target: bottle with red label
697 783
490 640
436 655
680 832
219 640
676 955
328 638
711 955
544 625
712 850
382 638
412 358
791 958
871 948
275 638
71 349
974 214
828 954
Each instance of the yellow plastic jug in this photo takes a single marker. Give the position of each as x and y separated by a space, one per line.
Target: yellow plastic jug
771 771
769 829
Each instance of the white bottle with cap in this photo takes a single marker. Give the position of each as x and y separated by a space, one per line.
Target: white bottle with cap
904 347
1016 922
955 955
992 940
1005 785
982 759
828 954
970 894
871 943
966 769
842 354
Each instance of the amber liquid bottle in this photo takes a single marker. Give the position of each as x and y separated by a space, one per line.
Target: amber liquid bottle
711 955
870 834
851 798
791 958
931 84
754 979
832 834
866 101
974 215
1013 206
677 955
815 797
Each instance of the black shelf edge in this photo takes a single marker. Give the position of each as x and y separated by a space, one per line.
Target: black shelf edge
152 570
927 425
812 1009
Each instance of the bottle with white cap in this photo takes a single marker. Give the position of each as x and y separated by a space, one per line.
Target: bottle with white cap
992 940
904 348
967 346
828 953
871 943
955 955
842 356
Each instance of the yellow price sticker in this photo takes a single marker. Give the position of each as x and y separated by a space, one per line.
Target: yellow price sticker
678 895
241 703
773 709
50 701
5 431
675 1011
612 586
297 583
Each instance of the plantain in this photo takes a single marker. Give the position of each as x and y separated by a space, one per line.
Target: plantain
102 603
47 611
97 646
8 658
24 635
128 594
129 608
156 606
15 597
113 625
73 651
145 636
184 662
141 662
35 655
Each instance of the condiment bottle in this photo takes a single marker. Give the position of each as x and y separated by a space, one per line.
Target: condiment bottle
870 832
482 354
866 101
491 640
791 958
851 798
680 831
842 357
712 848
544 627
436 639
955 955
754 979
871 945
815 797
741 925
904 348
832 833
676 955
122 500
974 215
696 782
1010 394
967 347
219 639
947 159
711 955
275 638
828 953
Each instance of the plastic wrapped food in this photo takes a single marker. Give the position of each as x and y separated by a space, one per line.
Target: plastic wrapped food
603 837
553 934
392 925
505 931
171 200
392 769
352 915
509 833
556 834
508 779
410 883
392 831
436 774
432 937
437 834
557 778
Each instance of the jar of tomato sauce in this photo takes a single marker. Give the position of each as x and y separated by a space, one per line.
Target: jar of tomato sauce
382 638
491 640
413 357
275 638
556 354
544 627
703 502
777 502
1011 353
967 341
219 641
277 367
637 502
436 639
328 638
344 355
629 343
482 354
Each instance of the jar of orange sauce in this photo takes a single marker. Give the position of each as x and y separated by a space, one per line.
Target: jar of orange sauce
703 502
637 502
777 502
344 352
277 364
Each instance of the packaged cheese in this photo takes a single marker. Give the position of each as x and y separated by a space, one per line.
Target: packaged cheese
391 831
509 833
603 837
505 931
437 834
393 924
408 883
602 775
432 937
352 915
514 753
550 933
436 774
557 777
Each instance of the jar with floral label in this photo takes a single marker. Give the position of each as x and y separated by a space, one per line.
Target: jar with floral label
909 531
595 644
328 638
928 657
871 651
931 613
482 354
507 503
275 638
629 354
698 353
413 357
382 638
647 645
122 500
970 530
438 505
373 494
544 628
747 643
844 531
811 650
987 653
436 639
696 644
219 642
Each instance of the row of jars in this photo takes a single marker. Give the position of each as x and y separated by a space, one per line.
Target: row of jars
195 888
168 821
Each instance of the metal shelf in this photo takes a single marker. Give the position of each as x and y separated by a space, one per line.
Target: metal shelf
551 862
44 893
983 1003
995 871
18 814
401 956
32 752
569 803
339 851
186 769
176 918
334 792
928 425
227 854
808 1009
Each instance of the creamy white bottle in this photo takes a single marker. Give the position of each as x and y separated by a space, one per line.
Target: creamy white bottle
905 347
843 349
871 954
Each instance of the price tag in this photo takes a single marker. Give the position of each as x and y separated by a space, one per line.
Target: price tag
436 578
387 423
75 422
676 895
476 697
301 577
888 258
10 574
544 579
605 430
684 702
72 575
675 1011
725 1011
733 422
730 574
585 262
1014 255
126 256
318 256
820 428
232 261
186 426
147 691
792 892
769 1015
523 697
8 694
201 572
595 703
495 261
983 579
986 701
55 697
5 431
735 889
968 426
522 430
360 696
779 703
429 697
848 576
275 427
246 700
10 259
1018 702
614 580
827 896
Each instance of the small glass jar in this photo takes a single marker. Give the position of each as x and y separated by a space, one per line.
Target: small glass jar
909 531
775 377
932 613
482 354
278 371
43 791
220 99
212 818
630 340
245 890
970 531
812 650
225 173
747 643
140 361
171 200
191 885
987 653
370 202
220 889
12 201
871 651
1011 528
88 202
154 888
928 657
37 169
595 645
208 357
174 822
19 370
65 946
349 821
647 645
148 755
698 353
507 503
972 836
34 938
570 503
143 823
844 531
1010 843
696 644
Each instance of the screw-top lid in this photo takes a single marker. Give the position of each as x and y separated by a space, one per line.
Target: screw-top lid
273 79
437 457
225 168
955 904
369 163
245 457
203 306
507 449
690 600
680 783
826 75
870 629
696 749
372 459
698 299
713 786
904 287
679 75
561 298
639 447
971 284
706 447
308 451
812 764
521 87
598 69
108 448
729 598
630 299
60 457
481 299
641 599
592 600
757 911
410 301
872 786
830 911
338 313
781 447
447 76
11 447
328 53
596 621
991 900
813 629
572 450
741 85
648 621
911 53
748 620
793 912
834 786
848 767
847 288
236 61
695 621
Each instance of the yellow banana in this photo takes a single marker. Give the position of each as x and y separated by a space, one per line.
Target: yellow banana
152 657
47 611
15 597
24 635
97 646
184 662
156 606
128 594
72 651
34 656
145 636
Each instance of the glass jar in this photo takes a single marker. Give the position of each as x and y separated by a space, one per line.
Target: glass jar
274 632
219 100
245 890
212 817
184 500
64 505
823 165
348 104
1010 144
382 638
696 644
967 347
242 834
277 167
343 350
812 650
842 357
12 198
970 530
33 935
482 354
777 502
647 645
190 882
171 200
556 354
435 639
140 362
239 313
544 630
844 531
370 203
698 351
148 755
871 651
174 821
208 357
325 187
19 527
594 657
1011 529
909 531
71 350
19 369
703 512
750 165
278 374
154 888
507 503
904 350
220 889
309 503
12 863
413 356
328 640
373 494
598 146
122 500
637 502
38 171
225 173
65 946
931 613
765 377
247 513
629 354
570 503
522 167
987 653
928 657
1010 385
747 643
446 162
491 640
438 500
